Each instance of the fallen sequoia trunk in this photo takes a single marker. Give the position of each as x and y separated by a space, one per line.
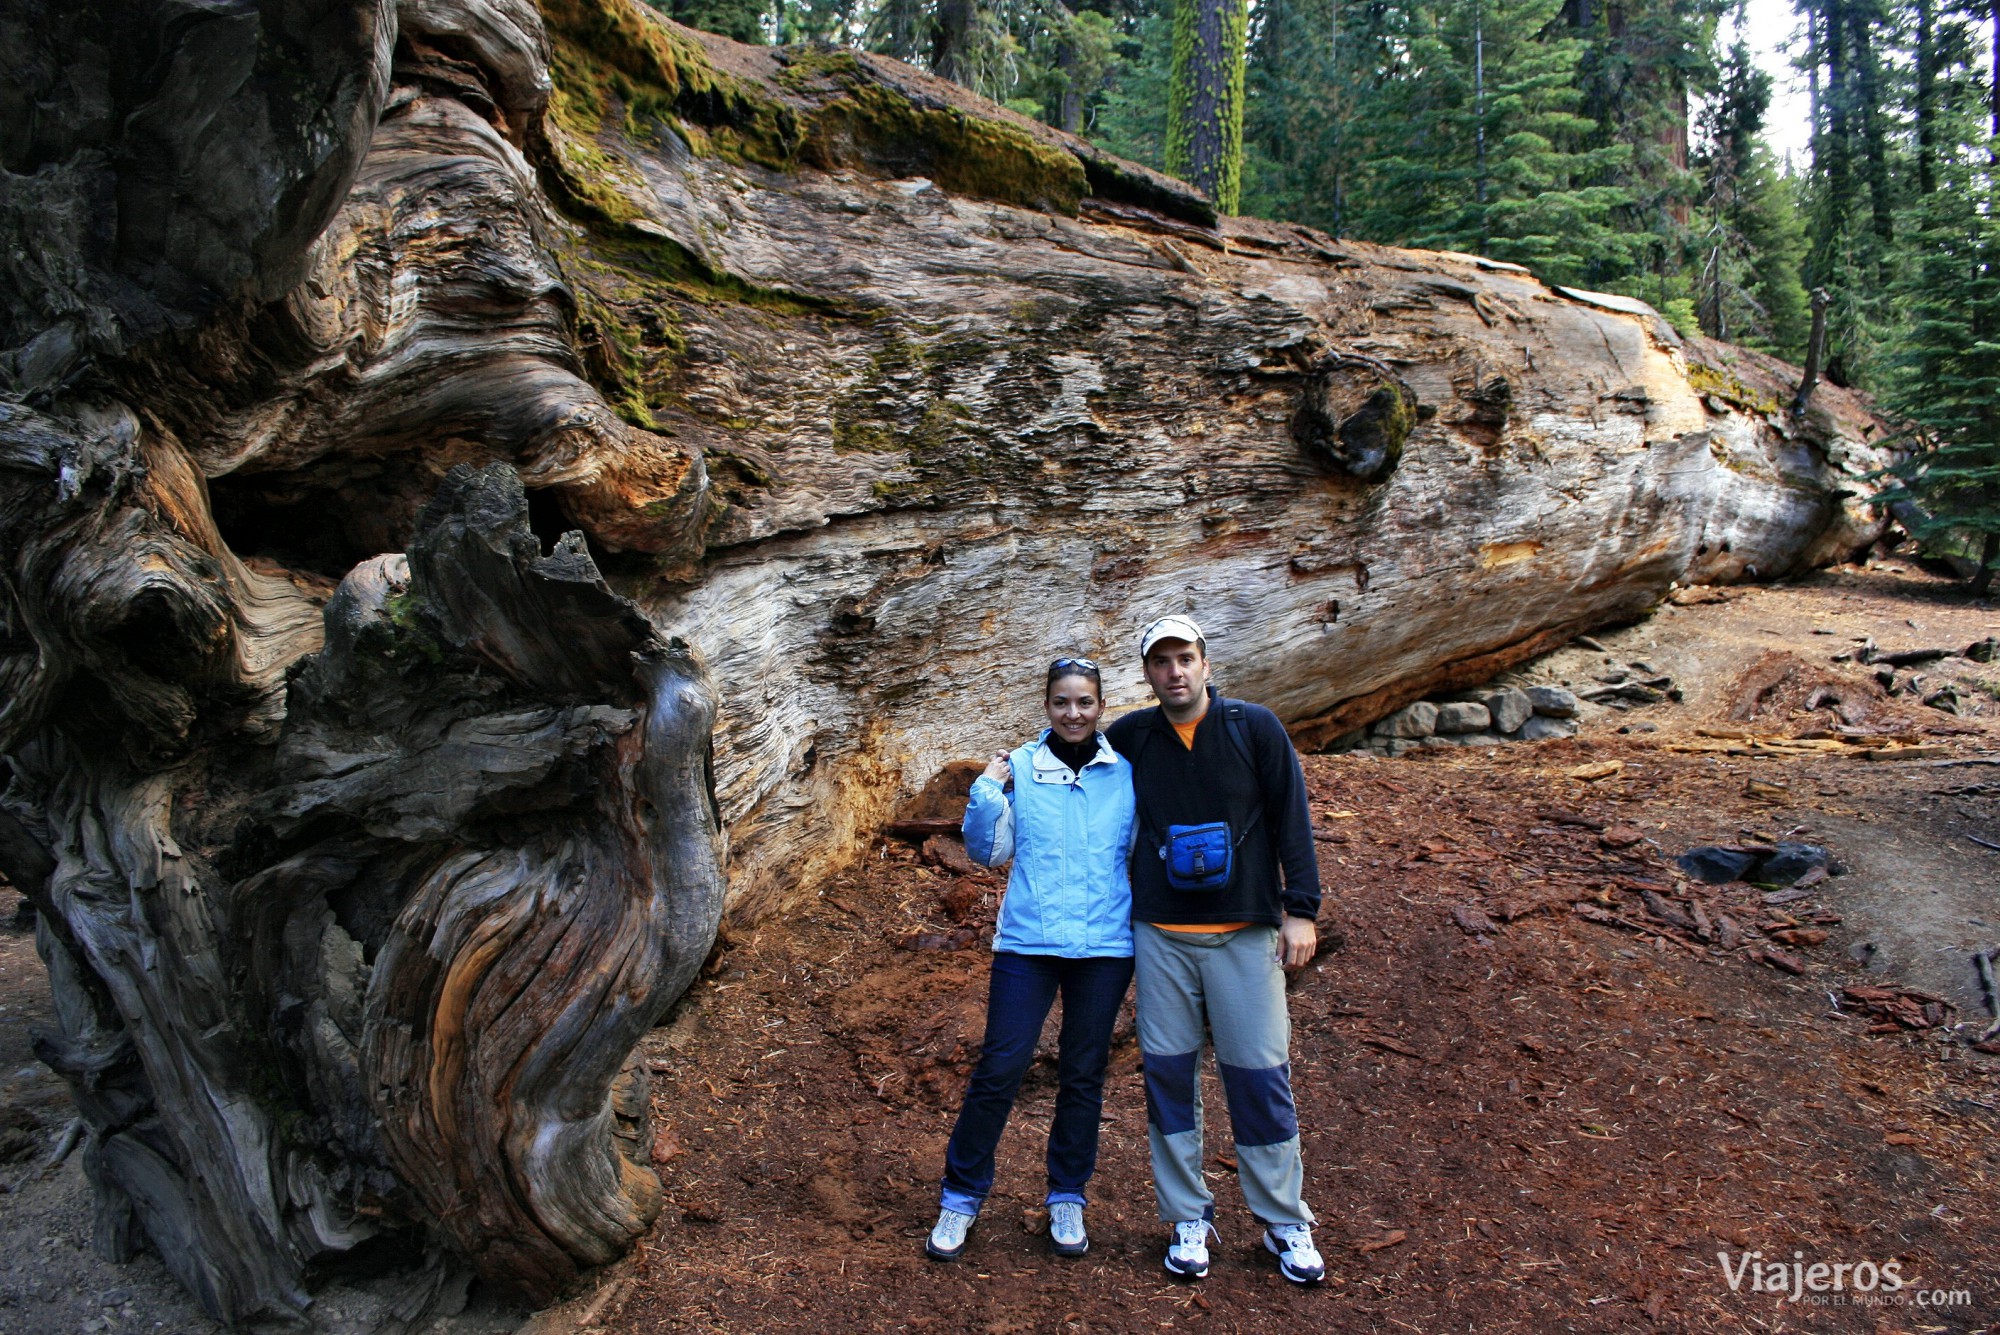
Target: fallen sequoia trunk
405 400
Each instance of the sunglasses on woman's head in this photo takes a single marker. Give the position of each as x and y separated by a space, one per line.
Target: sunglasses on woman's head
1080 664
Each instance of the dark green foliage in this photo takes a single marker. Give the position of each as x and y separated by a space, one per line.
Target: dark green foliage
1944 371
743 20
1749 236
1131 114
1473 139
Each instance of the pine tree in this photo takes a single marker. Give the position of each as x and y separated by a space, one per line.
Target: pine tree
1479 146
1945 373
1642 60
1852 196
1774 237
899 28
1315 121
1131 115
1752 240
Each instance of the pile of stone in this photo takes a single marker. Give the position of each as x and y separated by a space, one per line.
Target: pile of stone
1642 684
1473 718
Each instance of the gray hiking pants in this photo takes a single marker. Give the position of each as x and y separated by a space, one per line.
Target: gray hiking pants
1229 984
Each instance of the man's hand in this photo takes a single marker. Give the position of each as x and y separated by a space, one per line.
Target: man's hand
1297 940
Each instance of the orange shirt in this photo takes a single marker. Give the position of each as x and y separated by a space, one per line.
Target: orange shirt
1185 731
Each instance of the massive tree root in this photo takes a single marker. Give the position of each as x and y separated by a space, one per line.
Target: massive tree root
360 948
360 875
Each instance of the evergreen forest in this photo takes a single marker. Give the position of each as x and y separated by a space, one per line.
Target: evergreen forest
1615 145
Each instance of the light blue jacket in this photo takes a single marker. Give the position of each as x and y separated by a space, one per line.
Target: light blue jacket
1070 838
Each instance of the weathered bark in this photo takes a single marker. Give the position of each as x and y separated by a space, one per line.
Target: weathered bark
1069 107
165 159
1205 97
372 817
353 920
367 952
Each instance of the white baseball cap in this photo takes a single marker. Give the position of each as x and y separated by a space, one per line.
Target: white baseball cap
1171 627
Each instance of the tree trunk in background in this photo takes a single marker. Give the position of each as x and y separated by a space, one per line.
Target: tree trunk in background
950 38
898 26
1867 91
384 496
1205 97
1993 93
1833 148
1925 58
1069 110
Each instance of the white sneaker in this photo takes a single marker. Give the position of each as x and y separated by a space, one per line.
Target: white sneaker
1298 1260
947 1237
1066 1235
1187 1254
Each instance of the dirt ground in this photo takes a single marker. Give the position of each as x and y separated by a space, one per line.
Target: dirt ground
1530 1099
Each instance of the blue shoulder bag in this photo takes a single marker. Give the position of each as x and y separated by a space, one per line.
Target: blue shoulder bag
1202 858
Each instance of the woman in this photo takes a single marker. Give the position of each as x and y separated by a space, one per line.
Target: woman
1065 926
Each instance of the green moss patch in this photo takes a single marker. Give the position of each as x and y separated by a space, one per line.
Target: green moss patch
1724 385
617 52
827 110
880 130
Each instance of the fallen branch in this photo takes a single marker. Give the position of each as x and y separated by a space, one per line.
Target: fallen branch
1592 913
1388 1045
72 1136
1913 657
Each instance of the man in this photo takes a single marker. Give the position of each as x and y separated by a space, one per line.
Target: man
1213 932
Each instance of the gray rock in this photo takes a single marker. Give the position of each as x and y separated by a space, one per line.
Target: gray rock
1789 863
1463 716
1508 708
1396 746
1541 729
1417 720
1551 701
1483 738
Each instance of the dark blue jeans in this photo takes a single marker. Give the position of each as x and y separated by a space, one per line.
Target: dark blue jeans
1022 990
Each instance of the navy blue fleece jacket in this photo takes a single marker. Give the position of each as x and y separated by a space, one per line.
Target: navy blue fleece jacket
1176 785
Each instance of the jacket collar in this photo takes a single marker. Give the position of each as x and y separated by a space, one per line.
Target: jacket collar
1048 769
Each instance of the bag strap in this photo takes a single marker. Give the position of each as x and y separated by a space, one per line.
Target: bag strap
1233 723
1138 797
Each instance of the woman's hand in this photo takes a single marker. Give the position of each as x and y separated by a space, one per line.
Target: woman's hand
998 769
